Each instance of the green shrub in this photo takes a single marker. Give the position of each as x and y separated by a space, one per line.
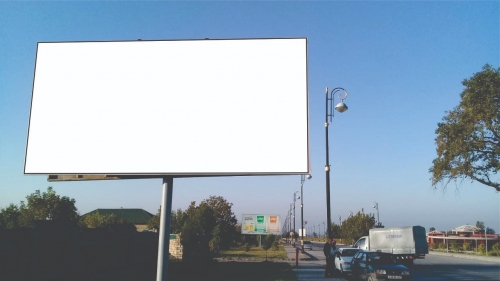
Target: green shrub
454 247
496 247
481 248
466 246
441 246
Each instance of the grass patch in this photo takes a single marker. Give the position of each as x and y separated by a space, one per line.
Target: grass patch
253 253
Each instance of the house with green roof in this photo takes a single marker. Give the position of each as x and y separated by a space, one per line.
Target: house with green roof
138 217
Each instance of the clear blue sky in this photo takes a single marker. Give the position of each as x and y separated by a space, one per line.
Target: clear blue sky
401 62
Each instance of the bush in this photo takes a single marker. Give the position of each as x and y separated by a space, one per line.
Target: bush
481 249
454 247
276 245
496 247
441 246
466 246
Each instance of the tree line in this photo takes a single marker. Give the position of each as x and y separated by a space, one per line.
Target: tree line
205 228
38 206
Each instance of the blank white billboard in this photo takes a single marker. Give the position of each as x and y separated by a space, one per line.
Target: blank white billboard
188 107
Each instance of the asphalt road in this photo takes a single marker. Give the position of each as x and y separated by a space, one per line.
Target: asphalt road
442 268
439 268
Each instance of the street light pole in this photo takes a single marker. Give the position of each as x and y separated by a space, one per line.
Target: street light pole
341 107
294 199
291 223
375 205
302 180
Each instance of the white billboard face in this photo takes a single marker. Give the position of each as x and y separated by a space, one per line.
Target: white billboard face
260 224
193 107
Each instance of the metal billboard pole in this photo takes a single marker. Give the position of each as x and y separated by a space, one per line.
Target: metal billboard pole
164 237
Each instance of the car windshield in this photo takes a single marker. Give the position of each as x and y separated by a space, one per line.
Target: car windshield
380 258
307 242
348 252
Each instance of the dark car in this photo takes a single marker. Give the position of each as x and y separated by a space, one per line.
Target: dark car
372 266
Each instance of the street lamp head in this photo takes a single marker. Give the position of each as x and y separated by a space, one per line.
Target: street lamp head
308 176
341 107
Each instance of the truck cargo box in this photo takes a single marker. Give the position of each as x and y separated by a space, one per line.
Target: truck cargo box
399 240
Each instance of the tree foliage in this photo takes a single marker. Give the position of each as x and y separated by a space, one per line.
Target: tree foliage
177 221
154 222
468 137
356 226
96 220
224 218
47 206
196 232
480 224
205 229
9 217
268 242
336 230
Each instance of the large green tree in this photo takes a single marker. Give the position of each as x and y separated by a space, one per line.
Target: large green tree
47 206
356 226
196 232
224 218
468 138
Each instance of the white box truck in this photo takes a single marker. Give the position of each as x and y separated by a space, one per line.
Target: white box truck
406 243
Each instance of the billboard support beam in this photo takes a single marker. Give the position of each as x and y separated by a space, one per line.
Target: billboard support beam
164 237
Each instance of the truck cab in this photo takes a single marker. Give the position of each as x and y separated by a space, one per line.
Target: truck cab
363 243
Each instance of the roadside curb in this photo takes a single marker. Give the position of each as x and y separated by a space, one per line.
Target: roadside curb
464 256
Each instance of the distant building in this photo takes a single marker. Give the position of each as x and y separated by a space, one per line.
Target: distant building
138 217
467 230
463 234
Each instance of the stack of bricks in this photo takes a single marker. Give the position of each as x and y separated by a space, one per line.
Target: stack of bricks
175 247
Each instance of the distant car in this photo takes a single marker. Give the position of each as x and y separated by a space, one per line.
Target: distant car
308 245
374 266
343 257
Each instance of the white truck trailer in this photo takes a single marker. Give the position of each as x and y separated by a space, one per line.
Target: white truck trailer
406 243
